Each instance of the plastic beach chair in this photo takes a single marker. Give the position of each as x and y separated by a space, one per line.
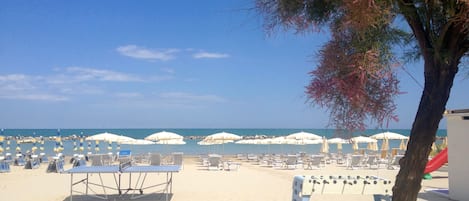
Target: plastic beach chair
215 163
124 156
56 165
19 160
177 158
4 165
32 162
43 158
155 159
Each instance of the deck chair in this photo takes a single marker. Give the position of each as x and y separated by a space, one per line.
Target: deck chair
315 162
356 161
215 163
43 158
155 159
8 158
177 159
4 165
291 162
56 165
96 160
19 160
124 156
394 164
32 162
372 162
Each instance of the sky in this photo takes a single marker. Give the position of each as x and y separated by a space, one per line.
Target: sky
164 64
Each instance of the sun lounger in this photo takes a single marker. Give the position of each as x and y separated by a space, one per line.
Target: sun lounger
32 162
56 165
215 163
43 158
315 162
155 159
394 164
19 160
356 161
4 165
291 162
177 159
124 156
372 162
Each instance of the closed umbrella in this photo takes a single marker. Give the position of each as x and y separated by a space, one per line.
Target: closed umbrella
324 146
403 145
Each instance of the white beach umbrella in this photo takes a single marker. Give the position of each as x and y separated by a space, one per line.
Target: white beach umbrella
223 137
362 139
389 135
164 135
171 142
303 136
339 142
138 142
324 146
109 137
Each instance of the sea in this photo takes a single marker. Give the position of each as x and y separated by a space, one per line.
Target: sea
191 137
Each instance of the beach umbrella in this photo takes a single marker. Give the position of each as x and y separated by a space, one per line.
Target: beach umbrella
75 148
389 135
403 145
362 139
18 147
2 138
81 143
355 145
303 136
339 142
34 147
223 137
324 146
384 148
164 135
109 137
138 142
89 145
171 142
41 141
385 145
8 145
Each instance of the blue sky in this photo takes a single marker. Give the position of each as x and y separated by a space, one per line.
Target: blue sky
158 64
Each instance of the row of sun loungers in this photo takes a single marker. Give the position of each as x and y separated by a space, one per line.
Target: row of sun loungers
319 161
57 162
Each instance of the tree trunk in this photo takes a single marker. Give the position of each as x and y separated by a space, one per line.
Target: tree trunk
438 82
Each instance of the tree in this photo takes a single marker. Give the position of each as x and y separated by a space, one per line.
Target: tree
356 76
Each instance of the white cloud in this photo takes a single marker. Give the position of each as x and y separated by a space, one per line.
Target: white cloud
24 87
209 55
147 54
40 97
129 95
188 97
86 74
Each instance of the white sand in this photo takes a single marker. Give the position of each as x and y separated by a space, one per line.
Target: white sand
195 183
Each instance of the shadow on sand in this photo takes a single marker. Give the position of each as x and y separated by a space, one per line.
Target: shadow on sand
147 197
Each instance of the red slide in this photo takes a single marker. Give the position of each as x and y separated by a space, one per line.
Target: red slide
439 160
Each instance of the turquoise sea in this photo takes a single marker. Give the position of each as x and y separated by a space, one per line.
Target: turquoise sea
191 147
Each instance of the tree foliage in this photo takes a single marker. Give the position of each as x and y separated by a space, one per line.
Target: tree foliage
355 78
356 75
